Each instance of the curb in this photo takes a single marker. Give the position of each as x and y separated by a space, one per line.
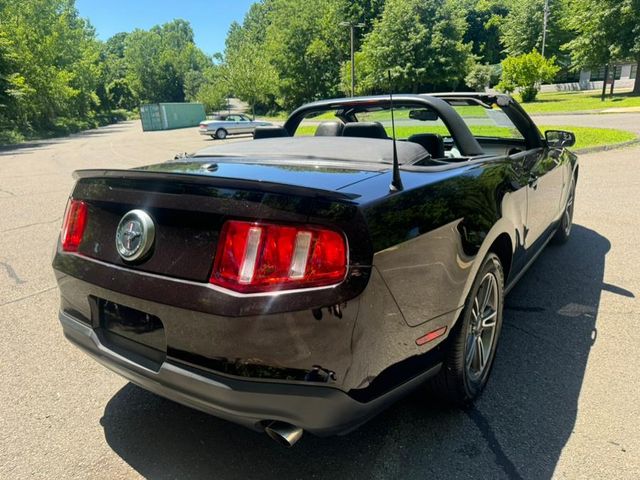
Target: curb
604 148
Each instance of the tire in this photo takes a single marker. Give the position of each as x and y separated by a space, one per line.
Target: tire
466 367
566 222
221 134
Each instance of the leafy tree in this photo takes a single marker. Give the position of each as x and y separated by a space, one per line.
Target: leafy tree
120 94
56 64
302 44
484 18
604 31
421 42
250 75
363 84
213 96
478 77
525 72
522 27
157 61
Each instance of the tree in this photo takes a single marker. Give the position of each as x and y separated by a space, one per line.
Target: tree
250 75
522 27
484 18
605 31
55 62
478 77
158 61
303 45
120 94
421 42
525 72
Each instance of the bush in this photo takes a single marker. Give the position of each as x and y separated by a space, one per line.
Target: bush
525 73
10 137
478 77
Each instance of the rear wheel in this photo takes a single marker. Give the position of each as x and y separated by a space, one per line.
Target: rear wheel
221 134
473 341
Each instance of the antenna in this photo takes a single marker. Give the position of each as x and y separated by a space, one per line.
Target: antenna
396 182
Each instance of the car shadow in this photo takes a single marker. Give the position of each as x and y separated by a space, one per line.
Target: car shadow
517 429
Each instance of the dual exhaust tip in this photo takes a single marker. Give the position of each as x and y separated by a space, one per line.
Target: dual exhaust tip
283 433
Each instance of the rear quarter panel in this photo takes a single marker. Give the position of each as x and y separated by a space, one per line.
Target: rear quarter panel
430 239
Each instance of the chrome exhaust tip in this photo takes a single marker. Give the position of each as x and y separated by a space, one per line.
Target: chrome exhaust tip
284 433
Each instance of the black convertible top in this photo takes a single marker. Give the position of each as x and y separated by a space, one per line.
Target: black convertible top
353 149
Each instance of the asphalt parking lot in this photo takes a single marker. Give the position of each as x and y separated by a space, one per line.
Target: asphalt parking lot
563 401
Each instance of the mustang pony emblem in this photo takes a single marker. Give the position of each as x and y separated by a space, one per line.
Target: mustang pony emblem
135 235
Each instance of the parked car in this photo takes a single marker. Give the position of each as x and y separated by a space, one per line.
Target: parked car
307 282
229 124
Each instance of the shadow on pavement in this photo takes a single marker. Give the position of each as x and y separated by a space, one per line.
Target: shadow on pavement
28 147
516 430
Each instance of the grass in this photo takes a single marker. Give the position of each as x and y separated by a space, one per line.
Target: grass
568 102
593 137
585 136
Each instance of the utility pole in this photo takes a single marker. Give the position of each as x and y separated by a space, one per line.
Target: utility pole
545 20
352 26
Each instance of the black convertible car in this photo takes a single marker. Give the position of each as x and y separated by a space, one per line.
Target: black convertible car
308 278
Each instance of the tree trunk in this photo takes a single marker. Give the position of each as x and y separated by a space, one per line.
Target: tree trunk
604 82
636 86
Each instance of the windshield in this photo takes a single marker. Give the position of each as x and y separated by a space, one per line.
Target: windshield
482 121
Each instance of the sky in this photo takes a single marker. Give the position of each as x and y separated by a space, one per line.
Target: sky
210 19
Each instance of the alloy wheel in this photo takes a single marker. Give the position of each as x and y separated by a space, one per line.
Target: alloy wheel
482 328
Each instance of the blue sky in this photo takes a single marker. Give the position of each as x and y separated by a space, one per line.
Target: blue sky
210 19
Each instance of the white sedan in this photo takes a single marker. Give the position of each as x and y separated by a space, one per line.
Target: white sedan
229 124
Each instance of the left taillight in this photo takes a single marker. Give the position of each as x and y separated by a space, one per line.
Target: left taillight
73 225
260 257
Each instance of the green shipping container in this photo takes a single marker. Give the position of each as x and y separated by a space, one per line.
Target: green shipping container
166 116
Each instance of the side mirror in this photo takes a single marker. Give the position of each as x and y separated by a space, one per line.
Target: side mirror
559 138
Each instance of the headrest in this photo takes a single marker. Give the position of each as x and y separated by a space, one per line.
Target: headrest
329 129
364 129
432 143
270 131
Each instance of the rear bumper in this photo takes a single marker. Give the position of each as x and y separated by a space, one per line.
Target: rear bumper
319 410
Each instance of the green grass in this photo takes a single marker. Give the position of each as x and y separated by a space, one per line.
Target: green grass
593 137
585 136
579 101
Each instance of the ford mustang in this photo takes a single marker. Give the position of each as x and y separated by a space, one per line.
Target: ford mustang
308 278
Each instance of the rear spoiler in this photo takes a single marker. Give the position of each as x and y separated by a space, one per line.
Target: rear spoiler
221 182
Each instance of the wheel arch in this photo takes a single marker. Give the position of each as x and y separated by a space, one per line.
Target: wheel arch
503 248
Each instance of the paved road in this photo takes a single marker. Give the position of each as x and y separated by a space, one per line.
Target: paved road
562 401
622 121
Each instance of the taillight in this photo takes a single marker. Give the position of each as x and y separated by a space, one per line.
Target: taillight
75 220
260 257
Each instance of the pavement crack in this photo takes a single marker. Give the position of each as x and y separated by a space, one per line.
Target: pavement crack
8 192
525 331
57 219
12 273
502 460
34 294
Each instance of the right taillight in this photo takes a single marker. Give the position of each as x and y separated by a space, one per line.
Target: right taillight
261 257
75 220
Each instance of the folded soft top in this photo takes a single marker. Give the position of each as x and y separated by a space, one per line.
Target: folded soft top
331 148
